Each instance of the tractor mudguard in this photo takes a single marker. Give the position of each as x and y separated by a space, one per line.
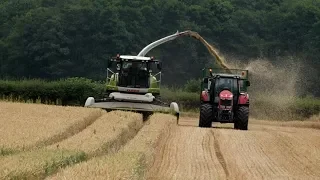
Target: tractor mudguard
205 96
243 99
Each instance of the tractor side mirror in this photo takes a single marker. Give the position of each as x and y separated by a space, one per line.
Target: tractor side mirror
248 83
159 66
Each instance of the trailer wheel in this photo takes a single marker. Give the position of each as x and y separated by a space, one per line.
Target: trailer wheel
206 115
242 118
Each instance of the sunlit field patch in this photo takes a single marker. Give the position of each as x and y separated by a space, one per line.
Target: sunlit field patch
131 162
106 134
37 164
25 126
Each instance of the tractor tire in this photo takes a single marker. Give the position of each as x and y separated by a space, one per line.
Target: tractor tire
206 115
236 124
242 118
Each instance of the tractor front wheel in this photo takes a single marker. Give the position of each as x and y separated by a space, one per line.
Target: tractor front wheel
242 118
206 115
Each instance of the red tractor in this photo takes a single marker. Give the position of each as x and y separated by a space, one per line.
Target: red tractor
224 98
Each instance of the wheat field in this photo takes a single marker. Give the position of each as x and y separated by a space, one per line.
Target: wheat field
24 126
150 135
53 137
106 134
118 166
37 164
82 143
131 162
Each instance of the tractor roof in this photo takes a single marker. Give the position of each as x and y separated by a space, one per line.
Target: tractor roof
228 75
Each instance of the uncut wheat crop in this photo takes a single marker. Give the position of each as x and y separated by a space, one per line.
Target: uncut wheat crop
106 134
37 164
118 166
131 161
25 126
150 135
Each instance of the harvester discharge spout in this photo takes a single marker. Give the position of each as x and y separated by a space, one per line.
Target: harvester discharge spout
154 44
189 33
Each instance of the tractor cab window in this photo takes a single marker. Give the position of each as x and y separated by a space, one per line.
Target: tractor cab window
227 83
241 84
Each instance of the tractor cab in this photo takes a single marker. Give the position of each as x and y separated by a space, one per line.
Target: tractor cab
133 74
236 83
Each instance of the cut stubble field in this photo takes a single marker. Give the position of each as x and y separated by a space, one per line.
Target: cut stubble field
119 145
268 150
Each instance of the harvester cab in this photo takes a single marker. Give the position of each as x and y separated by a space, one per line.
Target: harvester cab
224 97
134 74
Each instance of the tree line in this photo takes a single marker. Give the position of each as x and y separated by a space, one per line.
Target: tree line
54 39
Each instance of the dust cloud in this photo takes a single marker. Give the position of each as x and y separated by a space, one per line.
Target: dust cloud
274 85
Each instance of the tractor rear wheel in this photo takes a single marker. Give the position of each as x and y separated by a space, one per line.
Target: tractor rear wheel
242 118
206 115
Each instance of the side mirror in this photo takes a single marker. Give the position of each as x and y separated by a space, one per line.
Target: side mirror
205 80
159 66
248 83
118 66
109 63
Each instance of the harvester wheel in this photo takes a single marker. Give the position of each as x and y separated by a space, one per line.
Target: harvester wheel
242 118
206 115
146 115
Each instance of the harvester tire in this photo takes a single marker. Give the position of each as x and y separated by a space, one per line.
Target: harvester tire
242 118
206 115
146 115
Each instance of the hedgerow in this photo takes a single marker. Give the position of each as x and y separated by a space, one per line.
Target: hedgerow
74 91
71 91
